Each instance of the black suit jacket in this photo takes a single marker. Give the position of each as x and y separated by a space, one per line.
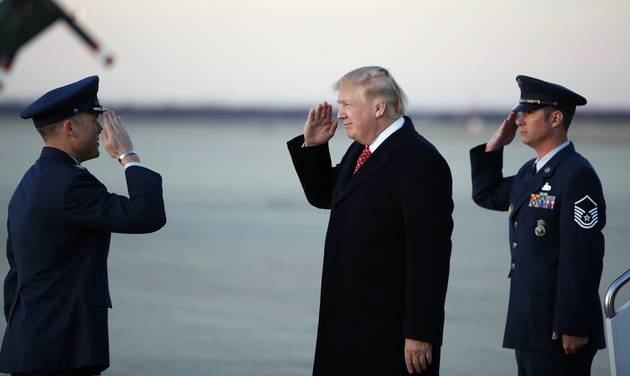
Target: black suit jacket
387 251
56 292
556 243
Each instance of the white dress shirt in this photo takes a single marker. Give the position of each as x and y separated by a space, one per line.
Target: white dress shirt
386 133
128 164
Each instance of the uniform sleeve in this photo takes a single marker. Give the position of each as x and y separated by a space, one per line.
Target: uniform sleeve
490 189
427 207
88 204
10 281
583 216
314 168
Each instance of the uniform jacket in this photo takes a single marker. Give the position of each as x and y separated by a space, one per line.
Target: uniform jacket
556 243
387 250
56 292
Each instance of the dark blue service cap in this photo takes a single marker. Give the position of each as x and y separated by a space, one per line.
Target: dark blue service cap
63 102
537 94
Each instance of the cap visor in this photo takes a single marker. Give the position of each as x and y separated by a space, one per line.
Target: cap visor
526 107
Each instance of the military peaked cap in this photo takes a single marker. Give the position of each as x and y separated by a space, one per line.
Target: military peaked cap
537 93
65 101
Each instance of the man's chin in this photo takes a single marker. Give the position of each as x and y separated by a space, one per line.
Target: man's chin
349 134
524 139
94 155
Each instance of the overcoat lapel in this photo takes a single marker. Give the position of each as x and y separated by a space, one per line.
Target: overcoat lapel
347 170
527 188
349 181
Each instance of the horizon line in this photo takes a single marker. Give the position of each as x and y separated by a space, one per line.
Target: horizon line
215 110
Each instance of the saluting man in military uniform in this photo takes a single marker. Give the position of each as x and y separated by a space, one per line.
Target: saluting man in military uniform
60 221
556 215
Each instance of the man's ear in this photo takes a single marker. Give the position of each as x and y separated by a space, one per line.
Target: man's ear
67 128
556 118
380 107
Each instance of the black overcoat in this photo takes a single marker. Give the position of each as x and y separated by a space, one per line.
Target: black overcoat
556 217
56 292
387 250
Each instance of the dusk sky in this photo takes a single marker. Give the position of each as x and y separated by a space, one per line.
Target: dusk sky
445 54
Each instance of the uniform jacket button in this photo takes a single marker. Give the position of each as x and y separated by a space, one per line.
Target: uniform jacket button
514 245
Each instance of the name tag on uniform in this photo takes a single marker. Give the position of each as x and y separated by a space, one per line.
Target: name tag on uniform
542 200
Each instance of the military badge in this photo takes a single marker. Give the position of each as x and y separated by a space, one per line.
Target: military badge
547 170
540 228
585 212
546 187
542 200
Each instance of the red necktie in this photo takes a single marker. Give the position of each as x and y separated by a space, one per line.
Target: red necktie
365 154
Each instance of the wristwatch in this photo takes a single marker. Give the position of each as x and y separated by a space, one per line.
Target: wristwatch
125 155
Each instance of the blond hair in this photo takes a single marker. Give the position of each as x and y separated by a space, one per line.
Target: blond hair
377 83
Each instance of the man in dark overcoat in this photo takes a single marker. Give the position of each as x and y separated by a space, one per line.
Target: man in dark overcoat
60 220
388 244
556 212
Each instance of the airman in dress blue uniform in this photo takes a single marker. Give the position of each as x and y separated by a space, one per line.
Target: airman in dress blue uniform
556 213
60 220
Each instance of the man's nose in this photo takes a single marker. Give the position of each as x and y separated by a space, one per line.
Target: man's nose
520 119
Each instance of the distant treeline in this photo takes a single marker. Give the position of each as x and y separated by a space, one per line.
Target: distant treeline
621 116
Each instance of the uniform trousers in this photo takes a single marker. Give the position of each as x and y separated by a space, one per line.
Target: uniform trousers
86 371
555 363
